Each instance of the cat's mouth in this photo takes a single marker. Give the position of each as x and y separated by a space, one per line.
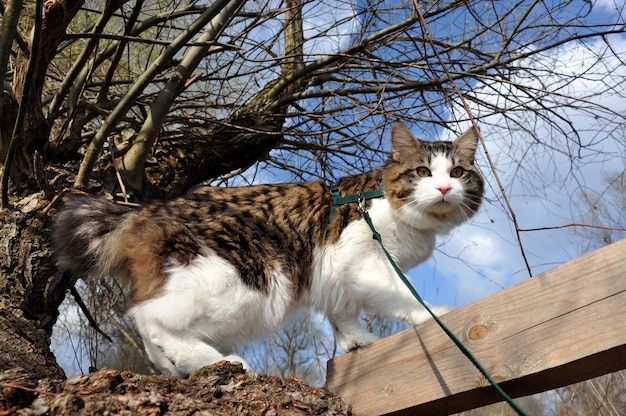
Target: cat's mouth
438 215
441 208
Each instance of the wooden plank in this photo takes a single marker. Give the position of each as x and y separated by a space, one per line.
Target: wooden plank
561 327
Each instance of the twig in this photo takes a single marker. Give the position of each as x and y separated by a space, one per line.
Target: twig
56 198
48 190
128 204
83 307
20 387
558 227
371 321
129 338
64 191
117 171
94 108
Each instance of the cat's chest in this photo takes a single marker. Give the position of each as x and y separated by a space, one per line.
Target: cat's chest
408 245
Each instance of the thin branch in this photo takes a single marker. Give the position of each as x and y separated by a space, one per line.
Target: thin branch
136 31
120 181
83 307
119 51
515 30
59 196
20 387
327 61
134 159
137 39
129 338
558 227
48 190
144 79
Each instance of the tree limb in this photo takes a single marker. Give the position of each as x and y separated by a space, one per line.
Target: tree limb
163 60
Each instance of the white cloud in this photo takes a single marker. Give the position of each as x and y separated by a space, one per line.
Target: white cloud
614 6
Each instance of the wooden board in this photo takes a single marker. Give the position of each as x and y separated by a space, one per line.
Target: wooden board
561 327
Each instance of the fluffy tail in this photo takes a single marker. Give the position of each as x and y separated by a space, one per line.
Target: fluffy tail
86 237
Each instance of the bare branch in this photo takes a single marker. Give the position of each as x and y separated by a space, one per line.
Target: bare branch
96 144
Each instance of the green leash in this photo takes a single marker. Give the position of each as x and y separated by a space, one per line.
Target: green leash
360 199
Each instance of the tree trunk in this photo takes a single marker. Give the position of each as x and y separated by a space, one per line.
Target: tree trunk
30 297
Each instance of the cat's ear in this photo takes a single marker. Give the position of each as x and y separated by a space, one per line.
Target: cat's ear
404 146
465 145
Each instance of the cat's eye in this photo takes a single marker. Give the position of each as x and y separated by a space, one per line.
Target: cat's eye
423 172
457 172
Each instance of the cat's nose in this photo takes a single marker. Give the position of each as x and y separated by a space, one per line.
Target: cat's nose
443 189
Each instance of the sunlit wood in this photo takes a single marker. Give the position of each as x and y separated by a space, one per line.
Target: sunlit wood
558 328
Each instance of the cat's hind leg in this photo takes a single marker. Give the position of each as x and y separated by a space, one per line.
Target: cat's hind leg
177 353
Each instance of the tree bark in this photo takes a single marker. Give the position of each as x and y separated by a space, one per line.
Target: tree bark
31 293
210 151
30 288
221 389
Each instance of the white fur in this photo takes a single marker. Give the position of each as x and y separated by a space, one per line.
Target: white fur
354 275
205 303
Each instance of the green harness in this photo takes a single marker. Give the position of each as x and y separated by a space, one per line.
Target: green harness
361 197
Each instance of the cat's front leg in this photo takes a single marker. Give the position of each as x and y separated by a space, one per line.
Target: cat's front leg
350 333
420 314
388 295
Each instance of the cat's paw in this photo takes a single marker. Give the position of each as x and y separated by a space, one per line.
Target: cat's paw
351 343
238 359
422 315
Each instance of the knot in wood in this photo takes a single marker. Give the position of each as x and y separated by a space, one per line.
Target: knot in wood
389 389
53 12
477 332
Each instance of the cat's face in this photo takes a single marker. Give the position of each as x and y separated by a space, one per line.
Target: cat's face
437 179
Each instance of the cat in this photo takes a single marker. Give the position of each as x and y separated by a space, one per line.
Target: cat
225 264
